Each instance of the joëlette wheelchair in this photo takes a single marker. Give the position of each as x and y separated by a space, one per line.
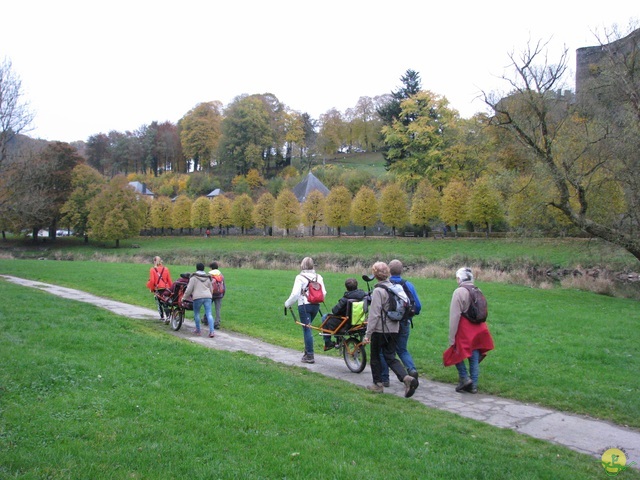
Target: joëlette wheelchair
348 331
171 300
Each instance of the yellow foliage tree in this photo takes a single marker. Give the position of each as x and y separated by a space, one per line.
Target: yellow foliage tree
394 211
364 209
485 204
338 208
425 205
242 212
264 211
200 213
287 210
454 204
181 215
161 213
313 210
220 212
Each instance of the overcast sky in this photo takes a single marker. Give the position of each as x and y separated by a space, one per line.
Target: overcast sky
93 66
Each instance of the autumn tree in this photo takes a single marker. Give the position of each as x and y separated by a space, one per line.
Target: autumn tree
200 213
576 147
528 209
364 209
181 213
417 142
200 132
39 183
338 208
162 213
394 211
15 113
242 212
263 213
365 124
115 213
425 205
287 211
313 210
333 132
220 214
454 204
86 183
246 135
484 206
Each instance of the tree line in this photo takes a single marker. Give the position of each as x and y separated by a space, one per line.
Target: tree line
546 160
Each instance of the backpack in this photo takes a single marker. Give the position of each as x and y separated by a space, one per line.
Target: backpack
161 280
217 286
477 311
399 304
313 291
412 301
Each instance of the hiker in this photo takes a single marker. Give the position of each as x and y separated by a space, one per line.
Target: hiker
306 310
340 309
199 290
382 335
395 268
467 340
217 296
159 279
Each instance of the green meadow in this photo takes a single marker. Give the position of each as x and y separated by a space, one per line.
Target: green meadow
88 394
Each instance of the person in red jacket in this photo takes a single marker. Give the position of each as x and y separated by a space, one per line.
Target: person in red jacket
467 340
159 279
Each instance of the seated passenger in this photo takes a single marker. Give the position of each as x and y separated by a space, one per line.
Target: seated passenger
341 309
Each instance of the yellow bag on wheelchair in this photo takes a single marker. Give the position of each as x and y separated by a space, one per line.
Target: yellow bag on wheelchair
358 314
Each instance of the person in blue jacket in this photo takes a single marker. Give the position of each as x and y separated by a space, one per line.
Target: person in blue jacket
395 267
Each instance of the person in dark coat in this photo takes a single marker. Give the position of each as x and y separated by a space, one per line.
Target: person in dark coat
341 310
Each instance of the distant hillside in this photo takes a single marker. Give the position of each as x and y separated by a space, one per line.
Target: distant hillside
371 162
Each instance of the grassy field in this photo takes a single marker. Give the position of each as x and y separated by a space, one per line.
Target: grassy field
570 350
88 394
501 253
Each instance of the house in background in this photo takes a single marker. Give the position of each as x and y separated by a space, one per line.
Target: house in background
308 185
214 193
141 188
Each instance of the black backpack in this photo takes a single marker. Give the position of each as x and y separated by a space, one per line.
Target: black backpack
477 311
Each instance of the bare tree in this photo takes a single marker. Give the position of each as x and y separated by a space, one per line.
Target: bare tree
15 115
570 146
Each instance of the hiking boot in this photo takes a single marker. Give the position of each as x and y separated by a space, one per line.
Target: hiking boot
471 388
386 383
464 383
329 346
376 388
308 359
414 373
410 385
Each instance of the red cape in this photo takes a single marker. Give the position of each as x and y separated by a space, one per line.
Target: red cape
469 337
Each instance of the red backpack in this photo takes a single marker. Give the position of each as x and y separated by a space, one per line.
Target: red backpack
313 291
217 286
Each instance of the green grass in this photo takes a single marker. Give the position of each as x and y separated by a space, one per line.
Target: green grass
88 394
569 350
510 253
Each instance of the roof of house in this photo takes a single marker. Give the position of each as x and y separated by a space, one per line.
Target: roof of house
308 185
141 188
214 193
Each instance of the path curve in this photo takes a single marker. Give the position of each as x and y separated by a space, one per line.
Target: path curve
576 432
